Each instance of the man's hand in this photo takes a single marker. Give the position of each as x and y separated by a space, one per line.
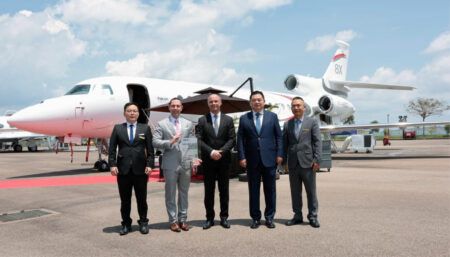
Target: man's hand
279 160
175 139
243 163
216 154
195 164
315 166
114 171
148 170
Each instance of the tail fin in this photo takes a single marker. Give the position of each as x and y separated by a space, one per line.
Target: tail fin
337 69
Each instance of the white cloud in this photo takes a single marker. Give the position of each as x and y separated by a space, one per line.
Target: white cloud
47 45
389 76
442 42
34 48
201 61
432 81
327 42
115 11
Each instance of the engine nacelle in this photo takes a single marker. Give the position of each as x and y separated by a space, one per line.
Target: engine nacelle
335 106
300 83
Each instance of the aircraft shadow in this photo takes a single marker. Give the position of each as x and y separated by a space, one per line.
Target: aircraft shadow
59 173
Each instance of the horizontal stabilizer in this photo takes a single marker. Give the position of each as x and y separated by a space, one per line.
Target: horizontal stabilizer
358 84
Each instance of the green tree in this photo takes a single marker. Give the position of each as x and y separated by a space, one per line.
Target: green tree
447 129
375 130
426 107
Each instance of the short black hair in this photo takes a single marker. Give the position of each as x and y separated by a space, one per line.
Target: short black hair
128 104
257 92
173 99
297 98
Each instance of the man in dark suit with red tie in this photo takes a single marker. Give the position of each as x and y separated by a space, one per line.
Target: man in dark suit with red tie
132 164
216 136
260 149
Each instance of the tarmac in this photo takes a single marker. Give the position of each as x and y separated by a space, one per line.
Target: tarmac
393 202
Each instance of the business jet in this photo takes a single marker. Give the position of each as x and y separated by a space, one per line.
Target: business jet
15 139
92 107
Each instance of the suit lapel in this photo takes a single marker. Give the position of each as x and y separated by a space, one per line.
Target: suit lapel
252 123
291 130
171 127
124 133
210 125
264 121
221 123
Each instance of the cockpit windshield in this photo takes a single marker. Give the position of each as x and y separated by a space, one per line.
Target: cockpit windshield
79 90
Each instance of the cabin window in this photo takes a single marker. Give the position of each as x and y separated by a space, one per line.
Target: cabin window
79 90
1 126
107 90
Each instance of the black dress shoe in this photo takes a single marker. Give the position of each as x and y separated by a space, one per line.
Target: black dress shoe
314 223
224 223
270 224
125 230
294 221
208 224
143 227
255 224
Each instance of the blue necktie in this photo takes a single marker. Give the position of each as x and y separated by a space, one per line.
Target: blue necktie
258 122
131 133
297 128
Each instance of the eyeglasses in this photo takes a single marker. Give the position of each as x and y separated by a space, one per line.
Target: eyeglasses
131 111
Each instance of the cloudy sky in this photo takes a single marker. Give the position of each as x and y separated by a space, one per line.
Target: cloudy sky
48 46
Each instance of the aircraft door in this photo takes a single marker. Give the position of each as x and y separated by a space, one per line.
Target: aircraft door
139 94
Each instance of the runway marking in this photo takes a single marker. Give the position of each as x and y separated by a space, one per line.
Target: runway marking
68 181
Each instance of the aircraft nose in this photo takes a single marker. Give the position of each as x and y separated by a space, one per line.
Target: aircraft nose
27 118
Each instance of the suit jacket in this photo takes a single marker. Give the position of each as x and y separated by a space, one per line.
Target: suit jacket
136 155
305 150
265 146
208 141
164 132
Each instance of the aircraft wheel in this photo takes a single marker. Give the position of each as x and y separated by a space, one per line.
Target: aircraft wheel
103 166
97 165
17 148
32 148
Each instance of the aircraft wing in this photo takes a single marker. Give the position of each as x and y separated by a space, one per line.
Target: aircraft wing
358 84
329 128
6 134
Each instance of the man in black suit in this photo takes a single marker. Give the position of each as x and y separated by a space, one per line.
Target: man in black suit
132 165
216 136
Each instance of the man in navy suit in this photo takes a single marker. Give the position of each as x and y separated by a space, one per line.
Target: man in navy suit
131 165
260 149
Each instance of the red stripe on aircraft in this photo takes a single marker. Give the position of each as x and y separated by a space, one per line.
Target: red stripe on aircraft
338 56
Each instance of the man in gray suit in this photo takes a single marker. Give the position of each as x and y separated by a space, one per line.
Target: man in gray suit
302 147
167 136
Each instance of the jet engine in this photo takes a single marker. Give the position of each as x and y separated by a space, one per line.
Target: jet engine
335 106
301 83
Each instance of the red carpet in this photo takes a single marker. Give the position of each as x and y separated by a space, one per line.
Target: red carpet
71 181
